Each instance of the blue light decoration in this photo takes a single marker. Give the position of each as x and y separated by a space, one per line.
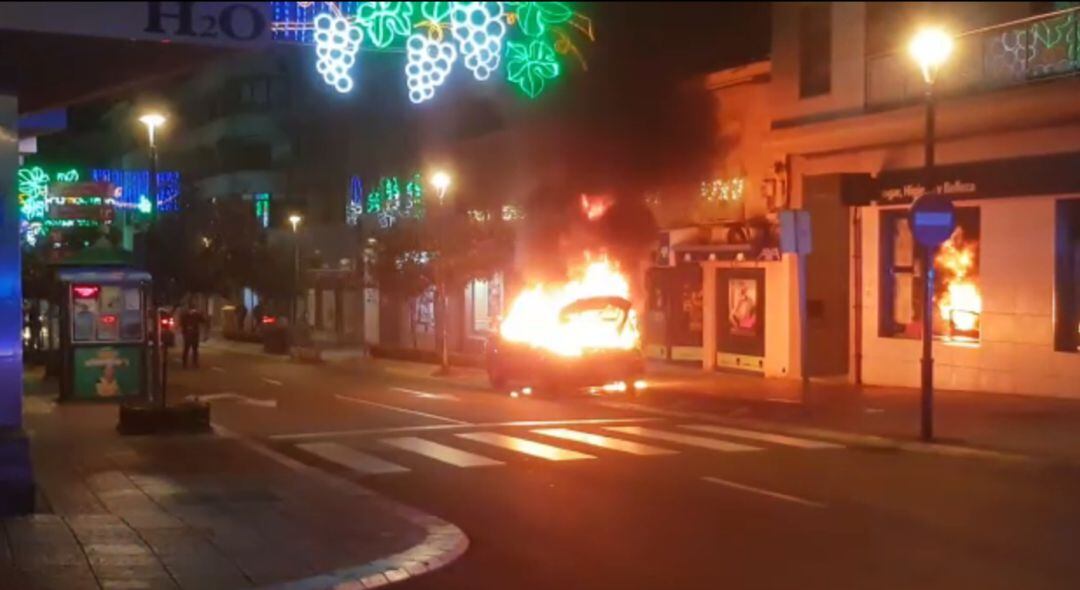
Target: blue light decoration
528 39
133 186
354 205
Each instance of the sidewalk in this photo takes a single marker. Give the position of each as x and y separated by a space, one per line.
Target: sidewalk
1040 426
199 512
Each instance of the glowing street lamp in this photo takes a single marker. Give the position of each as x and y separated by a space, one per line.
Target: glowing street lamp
930 48
152 121
295 220
441 181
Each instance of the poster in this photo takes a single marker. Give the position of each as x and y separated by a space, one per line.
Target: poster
104 372
743 312
740 329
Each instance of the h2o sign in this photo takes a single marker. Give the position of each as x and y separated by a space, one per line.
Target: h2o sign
209 22
229 24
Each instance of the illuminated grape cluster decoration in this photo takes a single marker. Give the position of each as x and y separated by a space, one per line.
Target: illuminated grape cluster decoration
479 29
524 43
428 64
336 44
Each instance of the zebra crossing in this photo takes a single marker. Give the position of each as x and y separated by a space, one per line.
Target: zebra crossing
488 449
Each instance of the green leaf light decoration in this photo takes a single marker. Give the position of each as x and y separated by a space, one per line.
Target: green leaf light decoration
435 12
383 22
527 44
531 65
535 17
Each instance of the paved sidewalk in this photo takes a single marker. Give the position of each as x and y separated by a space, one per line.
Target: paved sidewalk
199 512
1041 426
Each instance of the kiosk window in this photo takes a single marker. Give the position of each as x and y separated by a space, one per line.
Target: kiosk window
84 311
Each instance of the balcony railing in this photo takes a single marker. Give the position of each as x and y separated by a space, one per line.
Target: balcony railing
1009 54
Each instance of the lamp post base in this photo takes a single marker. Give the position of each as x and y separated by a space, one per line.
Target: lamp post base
182 418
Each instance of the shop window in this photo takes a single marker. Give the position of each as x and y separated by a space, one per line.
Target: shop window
815 49
957 293
1067 277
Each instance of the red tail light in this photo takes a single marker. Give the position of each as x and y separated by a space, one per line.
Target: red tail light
269 319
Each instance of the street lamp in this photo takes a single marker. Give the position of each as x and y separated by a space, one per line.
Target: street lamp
930 48
294 221
153 120
441 181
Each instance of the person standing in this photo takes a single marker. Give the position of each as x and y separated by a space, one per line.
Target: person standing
190 327
241 315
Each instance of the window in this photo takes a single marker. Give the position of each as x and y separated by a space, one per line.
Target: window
815 49
1067 277
957 294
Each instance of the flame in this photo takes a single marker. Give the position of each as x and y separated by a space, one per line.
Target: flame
537 317
961 304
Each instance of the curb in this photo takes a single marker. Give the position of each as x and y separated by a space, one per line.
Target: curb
856 440
444 542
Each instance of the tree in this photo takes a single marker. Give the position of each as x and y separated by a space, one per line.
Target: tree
445 245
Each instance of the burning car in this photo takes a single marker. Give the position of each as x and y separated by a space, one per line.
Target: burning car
576 334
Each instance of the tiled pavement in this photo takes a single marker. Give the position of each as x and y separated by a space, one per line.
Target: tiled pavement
200 512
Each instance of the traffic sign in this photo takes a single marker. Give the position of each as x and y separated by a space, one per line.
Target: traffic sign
933 219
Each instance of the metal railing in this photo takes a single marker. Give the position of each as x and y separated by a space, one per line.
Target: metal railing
1009 54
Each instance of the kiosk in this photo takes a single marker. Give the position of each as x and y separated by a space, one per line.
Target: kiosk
104 337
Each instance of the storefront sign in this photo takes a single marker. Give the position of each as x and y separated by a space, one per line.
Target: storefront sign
103 372
1053 174
237 24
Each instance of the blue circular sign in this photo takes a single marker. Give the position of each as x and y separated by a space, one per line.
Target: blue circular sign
933 219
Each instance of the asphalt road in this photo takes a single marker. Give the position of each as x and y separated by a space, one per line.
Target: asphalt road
613 498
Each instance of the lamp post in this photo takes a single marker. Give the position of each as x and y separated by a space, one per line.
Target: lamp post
153 120
441 181
930 48
294 221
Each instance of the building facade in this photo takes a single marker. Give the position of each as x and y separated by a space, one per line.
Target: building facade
845 140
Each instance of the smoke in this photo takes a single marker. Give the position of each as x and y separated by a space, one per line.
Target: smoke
558 233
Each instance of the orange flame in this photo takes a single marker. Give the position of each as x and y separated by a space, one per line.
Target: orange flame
539 316
961 304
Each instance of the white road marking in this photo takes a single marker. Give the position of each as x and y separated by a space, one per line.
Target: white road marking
525 446
218 369
763 492
426 394
229 395
355 460
272 381
780 439
440 452
403 410
605 442
436 427
685 439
